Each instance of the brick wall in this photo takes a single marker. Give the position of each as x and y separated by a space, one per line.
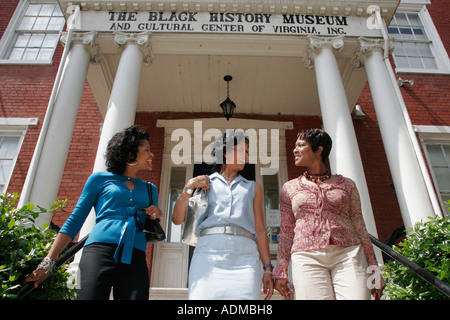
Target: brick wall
7 9
24 93
439 13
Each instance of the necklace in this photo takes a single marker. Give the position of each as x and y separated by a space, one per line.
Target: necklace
229 180
317 177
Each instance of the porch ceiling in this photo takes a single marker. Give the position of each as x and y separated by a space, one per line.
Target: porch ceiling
268 72
187 74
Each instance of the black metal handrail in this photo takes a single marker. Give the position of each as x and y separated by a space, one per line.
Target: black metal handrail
422 273
66 256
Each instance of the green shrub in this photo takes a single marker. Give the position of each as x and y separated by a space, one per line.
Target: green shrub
22 248
428 246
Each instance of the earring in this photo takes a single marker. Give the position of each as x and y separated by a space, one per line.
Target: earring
132 164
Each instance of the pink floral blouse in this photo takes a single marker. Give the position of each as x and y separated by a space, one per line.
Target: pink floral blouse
311 216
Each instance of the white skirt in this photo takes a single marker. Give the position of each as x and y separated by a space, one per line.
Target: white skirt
225 267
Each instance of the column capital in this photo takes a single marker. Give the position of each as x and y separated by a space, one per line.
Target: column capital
88 40
366 47
317 43
142 40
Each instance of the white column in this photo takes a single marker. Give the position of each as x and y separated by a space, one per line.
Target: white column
410 187
122 105
43 182
345 157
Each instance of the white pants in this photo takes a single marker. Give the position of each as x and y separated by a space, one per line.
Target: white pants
331 273
225 267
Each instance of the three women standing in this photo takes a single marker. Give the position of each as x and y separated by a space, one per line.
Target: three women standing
322 228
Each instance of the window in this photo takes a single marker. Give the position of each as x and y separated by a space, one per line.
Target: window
33 33
439 155
9 148
12 131
412 47
417 47
436 142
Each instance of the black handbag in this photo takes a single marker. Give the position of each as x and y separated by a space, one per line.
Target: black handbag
151 228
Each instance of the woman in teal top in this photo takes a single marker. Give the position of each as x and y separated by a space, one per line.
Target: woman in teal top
114 253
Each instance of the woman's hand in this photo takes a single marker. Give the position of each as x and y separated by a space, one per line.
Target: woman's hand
45 267
198 182
284 288
268 285
41 272
153 212
179 210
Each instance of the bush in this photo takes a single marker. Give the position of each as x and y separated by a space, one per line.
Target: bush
22 248
428 246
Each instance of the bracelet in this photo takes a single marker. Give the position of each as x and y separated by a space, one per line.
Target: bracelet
187 190
269 265
46 264
268 271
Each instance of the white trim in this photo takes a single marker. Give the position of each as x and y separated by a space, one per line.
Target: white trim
425 71
18 121
432 129
26 62
433 134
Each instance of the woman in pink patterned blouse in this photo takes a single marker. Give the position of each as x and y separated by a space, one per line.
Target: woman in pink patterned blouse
322 230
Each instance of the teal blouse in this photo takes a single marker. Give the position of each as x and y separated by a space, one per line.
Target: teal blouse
115 206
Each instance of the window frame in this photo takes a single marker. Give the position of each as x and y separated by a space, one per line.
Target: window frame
435 43
15 127
9 37
434 135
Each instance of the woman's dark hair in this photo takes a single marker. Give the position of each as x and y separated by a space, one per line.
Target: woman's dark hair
229 139
317 138
123 148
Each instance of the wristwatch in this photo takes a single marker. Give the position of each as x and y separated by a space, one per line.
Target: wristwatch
187 190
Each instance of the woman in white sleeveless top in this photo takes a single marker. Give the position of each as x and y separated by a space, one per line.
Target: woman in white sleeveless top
231 260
